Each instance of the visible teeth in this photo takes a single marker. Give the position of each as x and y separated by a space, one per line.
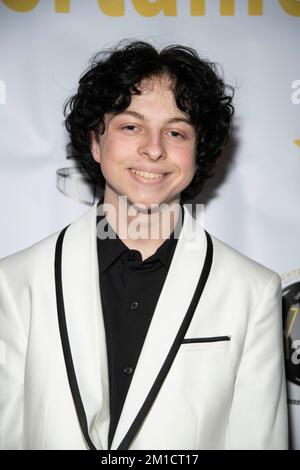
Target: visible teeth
145 174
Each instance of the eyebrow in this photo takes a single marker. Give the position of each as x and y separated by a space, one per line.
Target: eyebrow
143 118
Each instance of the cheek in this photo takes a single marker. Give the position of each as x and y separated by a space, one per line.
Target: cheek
187 162
112 160
114 150
107 156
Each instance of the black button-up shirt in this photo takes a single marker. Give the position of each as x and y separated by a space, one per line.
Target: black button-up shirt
130 288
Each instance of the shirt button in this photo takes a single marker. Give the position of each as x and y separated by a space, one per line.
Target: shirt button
134 305
130 256
128 370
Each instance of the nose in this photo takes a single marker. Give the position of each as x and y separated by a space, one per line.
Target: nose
152 146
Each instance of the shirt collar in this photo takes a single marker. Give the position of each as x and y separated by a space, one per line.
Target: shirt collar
112 248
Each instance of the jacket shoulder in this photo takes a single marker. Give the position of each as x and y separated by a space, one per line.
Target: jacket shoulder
30 259
42 251
240 265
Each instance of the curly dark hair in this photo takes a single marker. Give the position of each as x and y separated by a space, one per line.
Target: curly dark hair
115 74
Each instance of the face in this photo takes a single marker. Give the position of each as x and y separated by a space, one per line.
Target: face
147 152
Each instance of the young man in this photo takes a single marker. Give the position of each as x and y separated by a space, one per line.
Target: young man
118 339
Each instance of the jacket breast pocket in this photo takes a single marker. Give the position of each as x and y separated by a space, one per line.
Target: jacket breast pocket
205 343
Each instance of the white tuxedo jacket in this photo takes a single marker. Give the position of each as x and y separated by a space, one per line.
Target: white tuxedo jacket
224 390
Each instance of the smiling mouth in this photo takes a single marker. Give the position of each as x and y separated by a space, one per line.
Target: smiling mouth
147 174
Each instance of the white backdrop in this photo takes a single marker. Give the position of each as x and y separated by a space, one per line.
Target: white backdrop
251 204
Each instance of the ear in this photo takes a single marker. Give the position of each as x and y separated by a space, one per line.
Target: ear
95 147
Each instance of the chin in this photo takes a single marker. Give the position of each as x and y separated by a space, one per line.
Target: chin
142 205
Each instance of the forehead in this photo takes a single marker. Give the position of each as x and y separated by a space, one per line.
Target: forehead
155 88
156 100
159 84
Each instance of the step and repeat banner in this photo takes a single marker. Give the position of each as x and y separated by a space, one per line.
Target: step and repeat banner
252 202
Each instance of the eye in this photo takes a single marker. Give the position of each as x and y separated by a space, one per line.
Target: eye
177 135
129 127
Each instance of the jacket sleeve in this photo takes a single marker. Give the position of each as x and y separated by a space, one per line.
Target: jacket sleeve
12 368
258 416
